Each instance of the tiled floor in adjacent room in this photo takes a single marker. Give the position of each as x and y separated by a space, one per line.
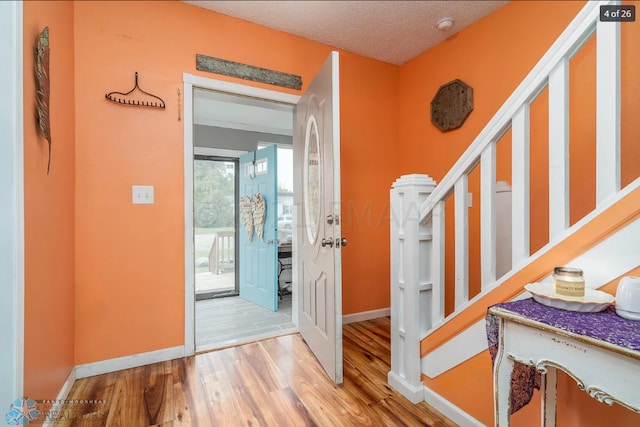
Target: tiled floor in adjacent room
221 322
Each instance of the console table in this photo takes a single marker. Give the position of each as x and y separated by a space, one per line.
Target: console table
600 351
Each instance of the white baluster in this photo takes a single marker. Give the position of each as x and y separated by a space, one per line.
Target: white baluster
488 215
520 136
461 240
607 110
437 263
559 149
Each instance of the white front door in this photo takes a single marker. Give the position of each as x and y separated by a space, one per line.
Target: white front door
319 240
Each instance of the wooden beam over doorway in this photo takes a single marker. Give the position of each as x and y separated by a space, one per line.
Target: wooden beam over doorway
247 72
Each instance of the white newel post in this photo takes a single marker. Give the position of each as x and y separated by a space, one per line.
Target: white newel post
410 282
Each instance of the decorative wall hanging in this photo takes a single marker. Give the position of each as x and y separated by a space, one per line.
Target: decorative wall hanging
115 97
451 105
246 213
259 212
247 72
252 214
43 91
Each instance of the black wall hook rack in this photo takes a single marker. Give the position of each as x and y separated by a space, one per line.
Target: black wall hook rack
112 96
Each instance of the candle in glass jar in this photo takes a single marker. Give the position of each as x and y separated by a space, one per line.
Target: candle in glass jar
568 282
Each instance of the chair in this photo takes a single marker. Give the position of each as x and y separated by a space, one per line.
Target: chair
222 253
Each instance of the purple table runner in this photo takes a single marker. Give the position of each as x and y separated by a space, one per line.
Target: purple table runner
605 326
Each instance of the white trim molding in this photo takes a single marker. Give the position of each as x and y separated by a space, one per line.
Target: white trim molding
413 393
575 228
237 89
366 315
12 200
189 242
192 81
611 258
449 410
457 350
62 396
126 362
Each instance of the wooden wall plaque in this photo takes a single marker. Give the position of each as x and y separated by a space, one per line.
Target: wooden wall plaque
247 72
451 105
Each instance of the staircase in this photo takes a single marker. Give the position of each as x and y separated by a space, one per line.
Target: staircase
426 338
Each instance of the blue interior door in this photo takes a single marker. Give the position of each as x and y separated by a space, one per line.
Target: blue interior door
259 256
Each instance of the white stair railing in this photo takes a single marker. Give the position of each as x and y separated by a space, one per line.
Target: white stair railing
417 274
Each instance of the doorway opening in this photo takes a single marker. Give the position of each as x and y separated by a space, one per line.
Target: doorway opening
225 128
317 261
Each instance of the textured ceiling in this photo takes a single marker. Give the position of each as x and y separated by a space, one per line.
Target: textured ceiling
390 31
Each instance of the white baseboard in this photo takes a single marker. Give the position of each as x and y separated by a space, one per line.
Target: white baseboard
366 315
126 362
449 410
412 393
62 396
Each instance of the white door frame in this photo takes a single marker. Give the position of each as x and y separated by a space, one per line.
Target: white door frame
12 200
191 81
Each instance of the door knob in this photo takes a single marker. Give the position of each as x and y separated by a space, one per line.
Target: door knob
343 241
327 242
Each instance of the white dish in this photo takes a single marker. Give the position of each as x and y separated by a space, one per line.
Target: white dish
631 315
592 302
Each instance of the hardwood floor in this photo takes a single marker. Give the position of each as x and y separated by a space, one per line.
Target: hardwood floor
274 382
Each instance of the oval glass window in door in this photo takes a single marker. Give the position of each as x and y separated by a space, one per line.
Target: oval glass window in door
312 179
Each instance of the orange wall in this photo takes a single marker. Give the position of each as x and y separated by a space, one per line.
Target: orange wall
369 114
49 207
493 56
129 259
129 272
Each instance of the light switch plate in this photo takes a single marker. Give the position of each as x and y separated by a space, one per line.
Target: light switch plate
142 194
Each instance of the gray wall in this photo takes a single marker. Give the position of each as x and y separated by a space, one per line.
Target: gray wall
233 139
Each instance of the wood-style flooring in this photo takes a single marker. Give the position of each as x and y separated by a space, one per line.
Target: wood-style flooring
274 382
